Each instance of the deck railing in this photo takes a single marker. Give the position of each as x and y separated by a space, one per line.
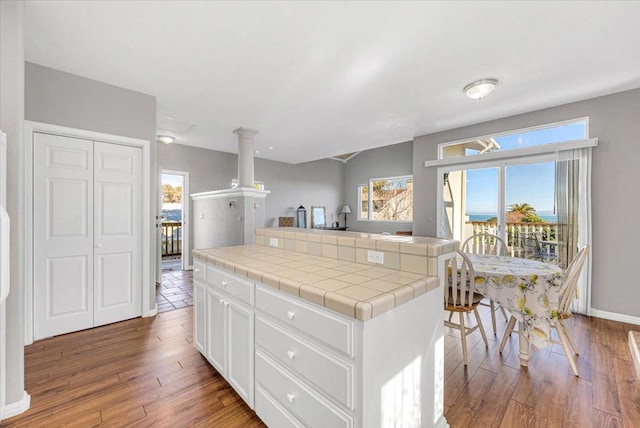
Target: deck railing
171 238
544 231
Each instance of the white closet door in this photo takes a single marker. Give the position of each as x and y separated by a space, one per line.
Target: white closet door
117 233
63 234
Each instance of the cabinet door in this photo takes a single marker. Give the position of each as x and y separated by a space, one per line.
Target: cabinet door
199 316
240 354
216 348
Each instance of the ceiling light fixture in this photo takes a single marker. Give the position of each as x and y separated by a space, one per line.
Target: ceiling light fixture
270 147
166 139
480 88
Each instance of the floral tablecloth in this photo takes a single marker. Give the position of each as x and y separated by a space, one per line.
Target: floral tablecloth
527 288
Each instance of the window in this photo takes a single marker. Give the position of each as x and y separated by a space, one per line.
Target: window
386 199
514 140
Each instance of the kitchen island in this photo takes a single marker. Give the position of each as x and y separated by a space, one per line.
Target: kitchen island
327 328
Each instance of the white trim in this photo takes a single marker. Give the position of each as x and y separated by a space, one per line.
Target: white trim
152 312
238 191
14 409
186 225
515 153
613 316
148 270
190 267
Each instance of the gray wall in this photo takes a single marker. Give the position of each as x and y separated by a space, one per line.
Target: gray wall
318 183
388 161
311 183
64 99
615 121
11 122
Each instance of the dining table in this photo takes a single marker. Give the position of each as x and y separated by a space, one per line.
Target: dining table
528 289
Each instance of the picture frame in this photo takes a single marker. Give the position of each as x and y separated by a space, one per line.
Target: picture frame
318 218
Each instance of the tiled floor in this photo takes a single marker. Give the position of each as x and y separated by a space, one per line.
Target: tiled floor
176 290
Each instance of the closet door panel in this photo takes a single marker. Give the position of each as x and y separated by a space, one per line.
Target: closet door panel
117 228
63 234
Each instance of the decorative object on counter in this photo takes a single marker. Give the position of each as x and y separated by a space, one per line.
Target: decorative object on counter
301 217
285 221
346 209
318 218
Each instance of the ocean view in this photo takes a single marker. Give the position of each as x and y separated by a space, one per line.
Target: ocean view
485 217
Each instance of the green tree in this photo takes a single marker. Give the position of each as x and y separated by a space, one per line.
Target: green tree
523 213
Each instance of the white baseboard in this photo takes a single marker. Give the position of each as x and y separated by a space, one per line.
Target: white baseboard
151 312
190 267
14 409
442 423
613 316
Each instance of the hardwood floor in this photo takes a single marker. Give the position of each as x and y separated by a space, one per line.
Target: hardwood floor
145 372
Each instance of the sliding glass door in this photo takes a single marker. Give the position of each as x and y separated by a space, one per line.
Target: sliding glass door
513 199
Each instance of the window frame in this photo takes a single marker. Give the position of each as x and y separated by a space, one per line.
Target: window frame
370 201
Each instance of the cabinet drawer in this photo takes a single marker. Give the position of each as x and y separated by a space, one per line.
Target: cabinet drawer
240 288
298 398
272 413
199 271
314 321
329 373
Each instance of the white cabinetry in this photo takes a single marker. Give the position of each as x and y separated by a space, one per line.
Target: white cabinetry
199 302
223 330
315 367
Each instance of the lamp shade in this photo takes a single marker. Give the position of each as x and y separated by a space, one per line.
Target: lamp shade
346 209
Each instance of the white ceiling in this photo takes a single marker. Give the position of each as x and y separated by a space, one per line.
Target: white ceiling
321 79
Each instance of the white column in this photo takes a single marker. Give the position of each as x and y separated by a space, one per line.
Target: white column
245 156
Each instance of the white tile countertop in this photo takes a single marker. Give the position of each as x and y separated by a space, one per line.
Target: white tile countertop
357 289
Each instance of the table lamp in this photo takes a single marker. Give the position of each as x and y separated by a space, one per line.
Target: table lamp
346 209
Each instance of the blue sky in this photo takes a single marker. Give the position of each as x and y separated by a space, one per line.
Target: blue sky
174 180
530 183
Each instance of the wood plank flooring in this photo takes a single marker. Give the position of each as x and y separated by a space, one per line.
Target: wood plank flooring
145 372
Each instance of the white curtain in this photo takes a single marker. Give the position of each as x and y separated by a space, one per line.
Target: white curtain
573 205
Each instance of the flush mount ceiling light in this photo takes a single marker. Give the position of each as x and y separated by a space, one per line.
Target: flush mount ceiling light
166 139
480 88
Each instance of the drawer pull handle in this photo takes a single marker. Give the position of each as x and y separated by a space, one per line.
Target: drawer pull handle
224 283
196 270
291 354
290 397
290 315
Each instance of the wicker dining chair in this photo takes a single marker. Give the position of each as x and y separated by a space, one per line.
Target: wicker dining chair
487 243
565 296
460 297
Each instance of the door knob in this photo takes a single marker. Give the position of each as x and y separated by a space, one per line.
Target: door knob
291 354
290 314
290 397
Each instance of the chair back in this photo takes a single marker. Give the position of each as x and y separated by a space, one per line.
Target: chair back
529 246
485 243
460 281
570 281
